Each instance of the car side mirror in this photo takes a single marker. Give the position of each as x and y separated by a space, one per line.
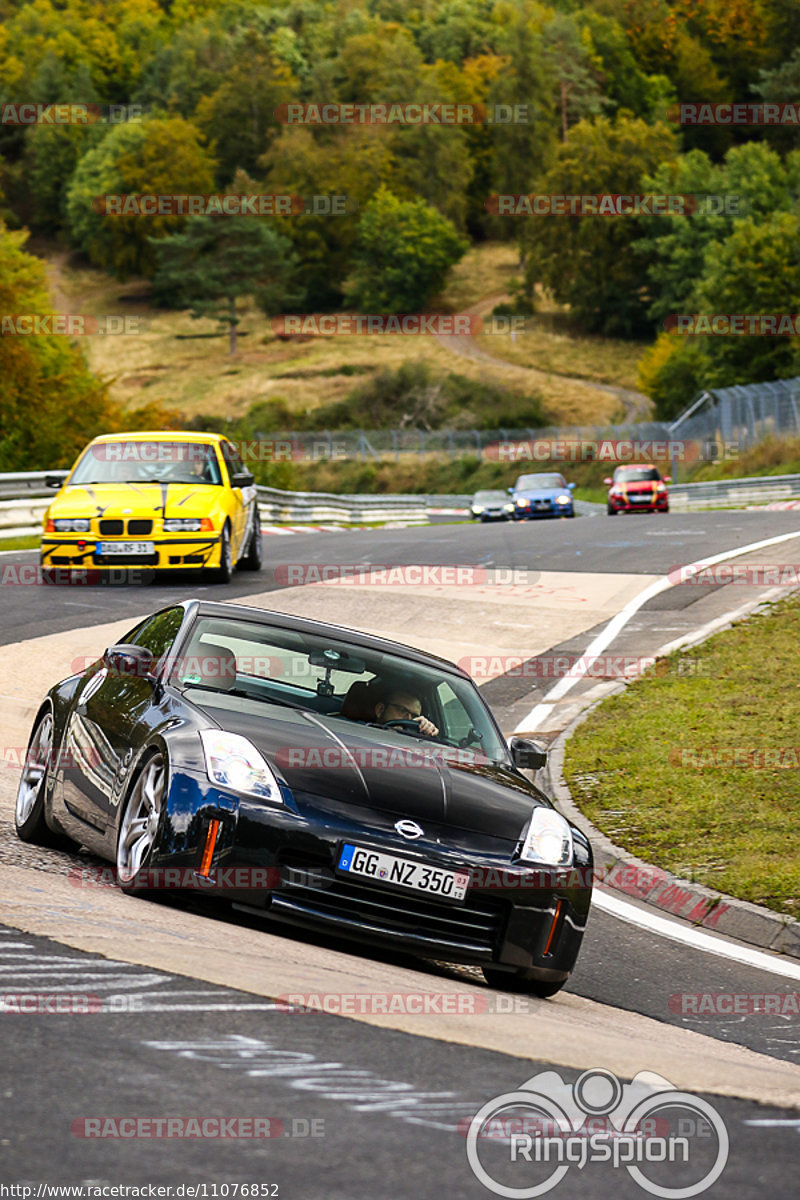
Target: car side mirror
608 479
129 661
527 754
572 486
667 479
242 479
54 481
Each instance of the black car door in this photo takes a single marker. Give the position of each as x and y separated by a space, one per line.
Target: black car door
107 726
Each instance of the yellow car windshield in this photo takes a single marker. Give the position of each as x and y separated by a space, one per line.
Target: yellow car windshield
148 462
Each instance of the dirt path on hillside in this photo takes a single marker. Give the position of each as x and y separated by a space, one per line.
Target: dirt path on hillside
635 404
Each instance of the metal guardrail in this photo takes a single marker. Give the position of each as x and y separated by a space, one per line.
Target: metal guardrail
302 508
721 493
22 514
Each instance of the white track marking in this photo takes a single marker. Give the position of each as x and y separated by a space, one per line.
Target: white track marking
542 710
697 939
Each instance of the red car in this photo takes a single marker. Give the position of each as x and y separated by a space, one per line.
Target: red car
637 488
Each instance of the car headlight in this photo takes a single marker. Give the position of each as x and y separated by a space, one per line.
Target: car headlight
548 840
72 525
476 508
520 501
233 762
563 499
660 487
187 524
509 507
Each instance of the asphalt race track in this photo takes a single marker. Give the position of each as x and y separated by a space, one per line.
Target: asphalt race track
182 1020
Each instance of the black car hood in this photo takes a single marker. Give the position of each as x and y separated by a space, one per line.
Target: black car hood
381 769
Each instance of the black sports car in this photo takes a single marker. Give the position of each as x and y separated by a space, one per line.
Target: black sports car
316 775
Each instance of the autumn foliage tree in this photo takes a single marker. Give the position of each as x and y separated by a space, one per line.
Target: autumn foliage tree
50 404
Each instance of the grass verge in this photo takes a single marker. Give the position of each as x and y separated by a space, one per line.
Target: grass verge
651 767
21 543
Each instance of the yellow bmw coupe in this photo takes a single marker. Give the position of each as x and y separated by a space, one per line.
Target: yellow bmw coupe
162 501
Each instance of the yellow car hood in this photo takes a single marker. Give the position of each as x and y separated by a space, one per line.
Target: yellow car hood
135 499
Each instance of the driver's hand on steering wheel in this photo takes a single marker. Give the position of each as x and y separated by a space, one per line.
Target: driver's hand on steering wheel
427 727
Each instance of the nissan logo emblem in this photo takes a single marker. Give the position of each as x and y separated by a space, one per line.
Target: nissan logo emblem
409 829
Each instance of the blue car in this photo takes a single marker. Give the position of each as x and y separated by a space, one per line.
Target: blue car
547 495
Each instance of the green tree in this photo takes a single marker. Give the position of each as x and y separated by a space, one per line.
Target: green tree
345 161
756 270
574 67
159 156
217 261
672 372
402 255
595 263
50 403
753 181
238 115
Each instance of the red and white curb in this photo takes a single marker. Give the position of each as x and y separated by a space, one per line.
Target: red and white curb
776 505
280 530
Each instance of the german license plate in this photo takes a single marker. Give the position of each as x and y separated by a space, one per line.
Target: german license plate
127 548
386 868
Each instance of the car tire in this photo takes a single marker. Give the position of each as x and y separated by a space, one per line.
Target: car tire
141 824
29 819
254 557
521 981
224 572
612 512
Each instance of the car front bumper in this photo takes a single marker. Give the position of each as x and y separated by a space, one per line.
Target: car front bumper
658 503
169 552
542 509
283 861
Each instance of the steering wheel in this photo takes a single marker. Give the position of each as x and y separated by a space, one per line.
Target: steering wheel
405 726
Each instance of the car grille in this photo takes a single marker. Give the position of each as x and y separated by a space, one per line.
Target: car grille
114 527
474 928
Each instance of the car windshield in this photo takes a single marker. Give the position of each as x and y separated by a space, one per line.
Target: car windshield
139 461
636 475
322 674
529 482
490 497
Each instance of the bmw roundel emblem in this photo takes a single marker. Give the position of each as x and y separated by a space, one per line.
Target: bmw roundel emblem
409 829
